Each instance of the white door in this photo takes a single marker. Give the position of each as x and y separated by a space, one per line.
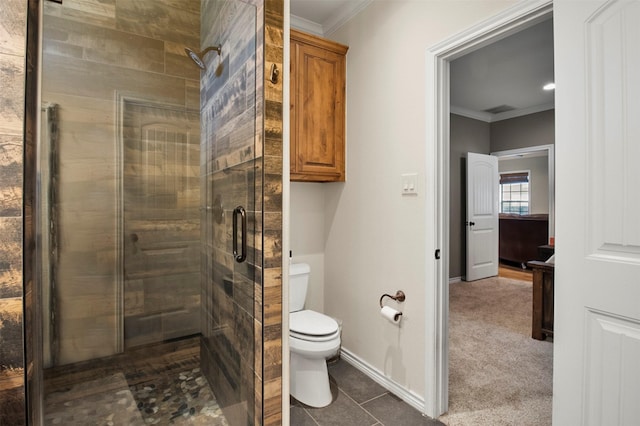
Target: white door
597 287
482 216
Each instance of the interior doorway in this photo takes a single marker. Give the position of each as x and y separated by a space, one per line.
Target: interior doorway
440 57
500 308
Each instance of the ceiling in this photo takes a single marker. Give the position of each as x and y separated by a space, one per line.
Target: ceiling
507 74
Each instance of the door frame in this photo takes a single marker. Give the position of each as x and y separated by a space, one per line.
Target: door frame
121 99
438 57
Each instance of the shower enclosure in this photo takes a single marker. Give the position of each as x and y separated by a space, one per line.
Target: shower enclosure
149 212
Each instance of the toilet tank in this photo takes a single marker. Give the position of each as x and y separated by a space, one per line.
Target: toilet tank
298 283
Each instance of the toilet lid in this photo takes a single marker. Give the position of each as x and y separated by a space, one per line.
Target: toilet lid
312 323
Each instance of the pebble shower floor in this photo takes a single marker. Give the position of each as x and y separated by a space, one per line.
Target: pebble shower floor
140 394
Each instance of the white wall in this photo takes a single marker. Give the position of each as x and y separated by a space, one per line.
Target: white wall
375 238
307 236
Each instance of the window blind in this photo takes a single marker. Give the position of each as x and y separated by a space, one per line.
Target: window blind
516 177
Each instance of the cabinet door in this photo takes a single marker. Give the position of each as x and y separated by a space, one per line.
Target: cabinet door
318 86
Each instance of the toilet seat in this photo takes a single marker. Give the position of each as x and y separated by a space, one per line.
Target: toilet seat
309 338
312 326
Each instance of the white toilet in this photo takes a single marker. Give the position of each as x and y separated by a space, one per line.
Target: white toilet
313 337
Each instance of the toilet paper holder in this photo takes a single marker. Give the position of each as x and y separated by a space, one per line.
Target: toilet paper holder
388 312
399 297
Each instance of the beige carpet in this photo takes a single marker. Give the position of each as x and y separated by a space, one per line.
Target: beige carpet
498 374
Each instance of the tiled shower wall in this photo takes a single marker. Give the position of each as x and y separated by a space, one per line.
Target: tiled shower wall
13 18
99 58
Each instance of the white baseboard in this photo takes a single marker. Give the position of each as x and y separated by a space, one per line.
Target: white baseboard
455 280
416 401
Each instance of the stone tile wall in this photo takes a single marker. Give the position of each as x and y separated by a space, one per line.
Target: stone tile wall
13 18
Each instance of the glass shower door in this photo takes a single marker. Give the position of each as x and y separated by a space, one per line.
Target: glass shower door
231 217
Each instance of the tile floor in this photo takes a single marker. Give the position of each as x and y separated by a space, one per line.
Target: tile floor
358 401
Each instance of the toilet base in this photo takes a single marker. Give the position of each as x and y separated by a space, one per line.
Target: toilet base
310 381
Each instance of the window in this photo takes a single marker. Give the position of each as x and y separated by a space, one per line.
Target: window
514 192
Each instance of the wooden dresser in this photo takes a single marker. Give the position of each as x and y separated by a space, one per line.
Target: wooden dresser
521 235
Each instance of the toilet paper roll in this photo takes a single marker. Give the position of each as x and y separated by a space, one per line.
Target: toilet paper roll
391 314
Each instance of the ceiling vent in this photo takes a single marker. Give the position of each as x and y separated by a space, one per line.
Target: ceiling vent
499 109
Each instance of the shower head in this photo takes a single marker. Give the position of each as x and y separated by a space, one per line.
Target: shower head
198 58
195 57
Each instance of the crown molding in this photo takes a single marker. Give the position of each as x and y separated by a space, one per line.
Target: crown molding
343 15
521 112
492 118
469 113
306 25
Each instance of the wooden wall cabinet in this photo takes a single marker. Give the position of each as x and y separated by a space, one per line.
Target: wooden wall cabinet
318 79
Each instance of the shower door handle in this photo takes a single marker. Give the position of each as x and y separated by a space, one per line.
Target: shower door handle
240 213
